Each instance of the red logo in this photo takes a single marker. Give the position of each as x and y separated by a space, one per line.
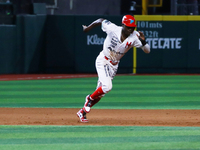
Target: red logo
128 44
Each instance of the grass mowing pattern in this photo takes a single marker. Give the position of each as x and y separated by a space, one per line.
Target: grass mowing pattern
98 137
129 92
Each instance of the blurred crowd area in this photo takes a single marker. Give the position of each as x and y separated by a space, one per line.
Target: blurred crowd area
102 7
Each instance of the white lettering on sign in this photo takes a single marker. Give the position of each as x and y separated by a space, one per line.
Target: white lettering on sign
164 43
146 24
150 34
94 40
199 44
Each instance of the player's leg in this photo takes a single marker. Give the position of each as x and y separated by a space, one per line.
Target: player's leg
88 101
95 100
104 84
106 73
82 115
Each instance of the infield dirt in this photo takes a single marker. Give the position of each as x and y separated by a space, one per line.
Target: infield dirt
109 117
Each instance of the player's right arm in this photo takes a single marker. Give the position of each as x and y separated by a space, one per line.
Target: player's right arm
145 46
93 24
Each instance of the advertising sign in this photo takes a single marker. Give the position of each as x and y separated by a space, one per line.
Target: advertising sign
172 44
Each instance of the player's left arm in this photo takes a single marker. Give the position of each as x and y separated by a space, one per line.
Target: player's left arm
93 24
145 46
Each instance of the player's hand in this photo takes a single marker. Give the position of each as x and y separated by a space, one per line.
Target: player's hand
142 38
141 35
84 28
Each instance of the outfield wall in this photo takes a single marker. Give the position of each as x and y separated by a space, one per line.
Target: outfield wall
56 44
174 42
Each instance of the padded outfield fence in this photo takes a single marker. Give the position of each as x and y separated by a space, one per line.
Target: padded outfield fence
57 44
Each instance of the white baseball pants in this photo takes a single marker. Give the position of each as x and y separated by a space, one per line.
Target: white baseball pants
106 72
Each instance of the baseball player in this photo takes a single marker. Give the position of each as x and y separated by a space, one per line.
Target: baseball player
118 41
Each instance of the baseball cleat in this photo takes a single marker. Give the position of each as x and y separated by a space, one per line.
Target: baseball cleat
82 115
87 104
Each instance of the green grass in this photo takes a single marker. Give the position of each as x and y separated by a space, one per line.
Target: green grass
98 137
129 92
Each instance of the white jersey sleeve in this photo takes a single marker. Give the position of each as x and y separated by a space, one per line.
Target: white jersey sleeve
137 42
107 26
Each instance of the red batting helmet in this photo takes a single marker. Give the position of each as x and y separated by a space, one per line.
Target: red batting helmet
129 21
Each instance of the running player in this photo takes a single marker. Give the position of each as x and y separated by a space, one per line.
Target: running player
118 41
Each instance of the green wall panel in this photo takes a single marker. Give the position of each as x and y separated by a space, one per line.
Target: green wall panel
175 56
33 42
8 49
151 62
193 47
60 44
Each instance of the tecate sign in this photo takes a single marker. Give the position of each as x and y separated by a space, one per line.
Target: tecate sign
95 40
164 43
155 43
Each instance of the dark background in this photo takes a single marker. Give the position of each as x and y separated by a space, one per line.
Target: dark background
88 7
40 36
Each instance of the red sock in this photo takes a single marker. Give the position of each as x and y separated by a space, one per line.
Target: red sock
96 100
97 93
